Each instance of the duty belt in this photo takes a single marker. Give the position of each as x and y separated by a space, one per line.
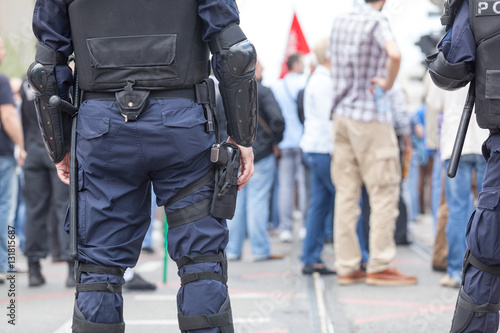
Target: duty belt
188 93
132 101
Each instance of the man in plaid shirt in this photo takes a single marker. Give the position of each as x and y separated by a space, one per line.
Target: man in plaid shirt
365 58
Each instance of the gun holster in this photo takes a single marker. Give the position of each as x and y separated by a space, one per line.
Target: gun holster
226 157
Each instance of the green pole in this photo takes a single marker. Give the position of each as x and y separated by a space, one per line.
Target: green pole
165 253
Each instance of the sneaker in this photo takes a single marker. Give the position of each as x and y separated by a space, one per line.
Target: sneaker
138 283
302 233
286 236
321 269
390 277
354 278
447 281
148 250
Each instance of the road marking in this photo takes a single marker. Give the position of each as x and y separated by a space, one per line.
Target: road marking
40 296
320 301
234 296
419 312
66 327
149 266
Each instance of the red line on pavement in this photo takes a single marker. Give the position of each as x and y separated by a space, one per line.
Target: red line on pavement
264 274
41 296
276 294
381 302
430 309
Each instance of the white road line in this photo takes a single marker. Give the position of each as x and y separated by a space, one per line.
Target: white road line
320 301
173 297
149 266
65 328
167 322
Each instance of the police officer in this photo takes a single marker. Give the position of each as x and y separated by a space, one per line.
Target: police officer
469 53
146 117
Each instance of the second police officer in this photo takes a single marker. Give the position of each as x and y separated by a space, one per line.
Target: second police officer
469 53
146 117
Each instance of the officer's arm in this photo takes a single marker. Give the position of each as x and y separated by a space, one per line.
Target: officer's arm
233 62
51 27
50 74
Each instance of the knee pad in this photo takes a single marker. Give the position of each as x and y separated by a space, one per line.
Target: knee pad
223 319
80 323
465 310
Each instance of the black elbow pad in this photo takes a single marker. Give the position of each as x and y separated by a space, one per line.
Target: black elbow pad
237 85
449 76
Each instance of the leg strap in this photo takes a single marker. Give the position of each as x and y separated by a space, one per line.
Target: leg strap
97 286
194 212
223 320
470 259
204 258
190 260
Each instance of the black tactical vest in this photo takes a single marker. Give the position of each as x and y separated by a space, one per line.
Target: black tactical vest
484 19
155 43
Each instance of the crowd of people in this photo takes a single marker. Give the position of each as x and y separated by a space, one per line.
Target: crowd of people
357 163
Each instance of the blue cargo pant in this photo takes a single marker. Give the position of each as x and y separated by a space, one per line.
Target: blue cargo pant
117 162
483 241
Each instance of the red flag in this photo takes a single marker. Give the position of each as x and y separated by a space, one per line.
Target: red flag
296 43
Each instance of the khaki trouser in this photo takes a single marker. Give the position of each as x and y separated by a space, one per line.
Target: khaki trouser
440 248
365 152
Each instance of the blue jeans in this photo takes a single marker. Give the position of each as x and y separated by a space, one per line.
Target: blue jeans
291 172
252 213
322 206
460 206
8 198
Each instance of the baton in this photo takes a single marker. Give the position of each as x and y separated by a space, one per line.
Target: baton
462 130
73 181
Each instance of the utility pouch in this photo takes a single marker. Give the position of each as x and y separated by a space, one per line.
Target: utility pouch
226 157
132 102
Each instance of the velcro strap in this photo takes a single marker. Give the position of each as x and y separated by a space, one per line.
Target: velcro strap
99 286
47 56
193 187
230 35
195 276
189 260
90 268
187 323
495 270
189 214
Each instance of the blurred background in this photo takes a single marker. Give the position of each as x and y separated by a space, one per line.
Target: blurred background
267 24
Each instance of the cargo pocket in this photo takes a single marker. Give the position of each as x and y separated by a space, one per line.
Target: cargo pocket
483 228
385 169
185 127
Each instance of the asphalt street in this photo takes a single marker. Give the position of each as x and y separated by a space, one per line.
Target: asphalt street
267 297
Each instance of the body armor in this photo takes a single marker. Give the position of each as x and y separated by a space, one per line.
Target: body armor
485 23
145 43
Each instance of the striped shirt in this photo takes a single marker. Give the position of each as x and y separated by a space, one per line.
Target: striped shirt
357 55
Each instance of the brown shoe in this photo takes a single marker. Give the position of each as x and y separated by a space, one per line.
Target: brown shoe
357 277
390 277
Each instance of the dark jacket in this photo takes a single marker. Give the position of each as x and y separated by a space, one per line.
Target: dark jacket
270 127
271 123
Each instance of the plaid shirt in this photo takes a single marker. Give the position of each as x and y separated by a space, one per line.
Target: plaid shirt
357 55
